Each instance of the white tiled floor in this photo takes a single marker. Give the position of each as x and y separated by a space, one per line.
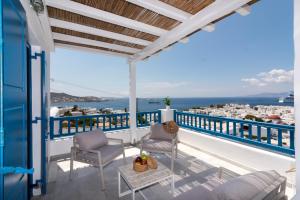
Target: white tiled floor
193 167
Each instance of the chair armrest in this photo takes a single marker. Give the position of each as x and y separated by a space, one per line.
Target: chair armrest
115 140
145 136
84 150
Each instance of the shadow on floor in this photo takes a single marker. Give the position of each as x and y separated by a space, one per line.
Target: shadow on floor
85 185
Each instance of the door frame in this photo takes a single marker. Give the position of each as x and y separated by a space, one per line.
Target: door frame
29 114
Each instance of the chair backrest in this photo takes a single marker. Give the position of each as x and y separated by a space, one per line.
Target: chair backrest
90 140
158 132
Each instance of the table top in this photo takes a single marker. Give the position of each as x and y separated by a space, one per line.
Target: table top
142 179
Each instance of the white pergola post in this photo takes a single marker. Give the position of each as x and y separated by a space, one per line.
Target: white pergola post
132 101
297 91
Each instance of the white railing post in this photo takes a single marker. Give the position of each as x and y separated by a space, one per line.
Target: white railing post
297 91
132 101
167 115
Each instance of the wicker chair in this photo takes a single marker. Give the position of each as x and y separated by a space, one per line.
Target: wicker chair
160 141
95 148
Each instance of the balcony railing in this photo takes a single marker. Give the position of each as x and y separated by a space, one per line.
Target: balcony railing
146 118
275 137
70 125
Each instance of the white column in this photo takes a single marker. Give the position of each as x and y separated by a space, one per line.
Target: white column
132 100
297 90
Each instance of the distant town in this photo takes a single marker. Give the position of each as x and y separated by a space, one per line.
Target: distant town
260 113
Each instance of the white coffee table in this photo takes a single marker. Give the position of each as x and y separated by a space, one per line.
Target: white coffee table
137 181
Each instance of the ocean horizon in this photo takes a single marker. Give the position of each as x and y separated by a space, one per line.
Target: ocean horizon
144 104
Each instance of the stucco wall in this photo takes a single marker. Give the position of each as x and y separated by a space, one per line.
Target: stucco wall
36 112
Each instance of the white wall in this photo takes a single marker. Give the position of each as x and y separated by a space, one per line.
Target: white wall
36 112
167 115
297 86
250 158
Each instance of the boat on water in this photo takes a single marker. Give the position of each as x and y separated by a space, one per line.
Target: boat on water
153 101
288 99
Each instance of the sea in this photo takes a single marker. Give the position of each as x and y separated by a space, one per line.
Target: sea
146 104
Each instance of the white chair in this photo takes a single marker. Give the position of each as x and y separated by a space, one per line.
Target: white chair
160 141
95 148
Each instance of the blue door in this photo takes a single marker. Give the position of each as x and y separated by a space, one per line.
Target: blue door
44 122
13 103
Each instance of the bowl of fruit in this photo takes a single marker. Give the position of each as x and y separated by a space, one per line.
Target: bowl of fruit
143 163
140 163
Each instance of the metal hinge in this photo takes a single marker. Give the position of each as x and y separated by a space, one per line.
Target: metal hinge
35 120
1 137
34 56
16 170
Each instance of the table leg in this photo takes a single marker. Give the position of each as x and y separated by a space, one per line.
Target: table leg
119 183
172 185
133 194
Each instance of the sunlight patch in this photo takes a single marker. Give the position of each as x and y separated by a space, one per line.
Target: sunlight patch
65 165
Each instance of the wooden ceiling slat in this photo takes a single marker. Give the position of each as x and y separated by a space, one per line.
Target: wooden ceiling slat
190 6
95 37
132 11
83 20
91 47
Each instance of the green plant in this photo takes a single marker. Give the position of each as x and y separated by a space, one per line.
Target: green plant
75 108
253 118
141 119
167 101
68 113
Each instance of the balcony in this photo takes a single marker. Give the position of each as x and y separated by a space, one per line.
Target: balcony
206 144
34 161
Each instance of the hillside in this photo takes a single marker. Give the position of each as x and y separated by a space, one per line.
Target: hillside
275 95
63 97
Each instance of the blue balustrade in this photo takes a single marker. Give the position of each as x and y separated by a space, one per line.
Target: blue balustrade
69 125
146 118
269 136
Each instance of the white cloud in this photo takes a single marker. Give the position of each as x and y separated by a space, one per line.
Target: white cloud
267 78
277 76
254 81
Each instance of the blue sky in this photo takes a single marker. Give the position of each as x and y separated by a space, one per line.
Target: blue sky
243 56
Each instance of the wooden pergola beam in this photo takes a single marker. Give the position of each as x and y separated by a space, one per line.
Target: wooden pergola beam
215 11
95 31
95 13
163 9
80 40
80 48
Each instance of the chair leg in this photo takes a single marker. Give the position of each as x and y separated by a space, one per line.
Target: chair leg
124 160
71 165
101 177
172 161
141 151
220 172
